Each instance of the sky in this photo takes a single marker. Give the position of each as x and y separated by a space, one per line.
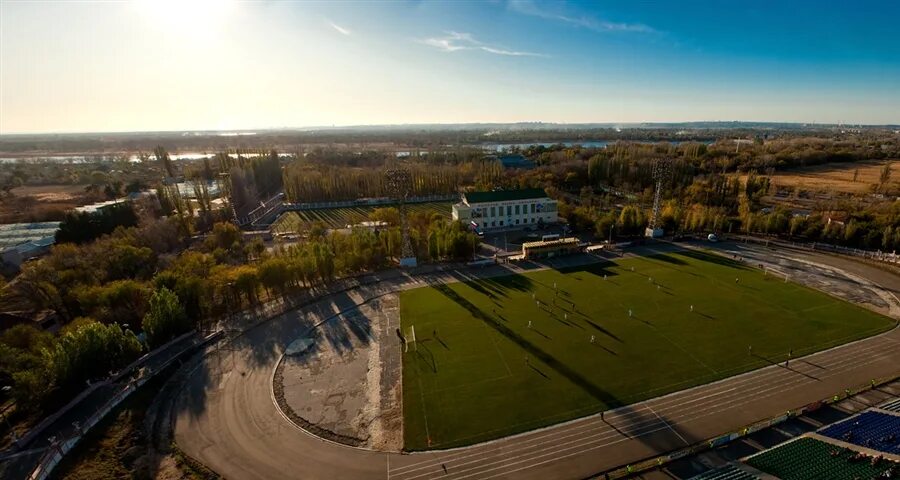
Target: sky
148 65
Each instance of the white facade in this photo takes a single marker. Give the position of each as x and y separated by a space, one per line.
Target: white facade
507 213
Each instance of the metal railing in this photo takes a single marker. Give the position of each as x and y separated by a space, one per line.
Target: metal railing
60 447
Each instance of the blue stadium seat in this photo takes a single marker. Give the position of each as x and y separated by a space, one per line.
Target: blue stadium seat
874 430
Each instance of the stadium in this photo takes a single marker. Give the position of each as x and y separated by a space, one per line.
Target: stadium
658 359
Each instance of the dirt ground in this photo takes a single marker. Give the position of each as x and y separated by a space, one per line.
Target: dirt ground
50 193
40 203
837 177
346 386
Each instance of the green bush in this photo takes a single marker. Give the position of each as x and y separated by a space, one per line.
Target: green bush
165 318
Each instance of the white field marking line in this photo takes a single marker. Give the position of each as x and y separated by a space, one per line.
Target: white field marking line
594 447
740 403
494 343
424 414
570 433
640 425
597 437
687 443
689 354
837 349
690 390
705 391
750 378
505 364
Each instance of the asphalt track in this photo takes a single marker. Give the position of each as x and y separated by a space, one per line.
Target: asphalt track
227 419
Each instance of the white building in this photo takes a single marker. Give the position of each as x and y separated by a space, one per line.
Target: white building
506 209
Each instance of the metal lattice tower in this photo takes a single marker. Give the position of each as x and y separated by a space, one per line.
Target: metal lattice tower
399 184
662 170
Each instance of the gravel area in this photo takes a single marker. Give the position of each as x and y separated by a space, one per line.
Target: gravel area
346 386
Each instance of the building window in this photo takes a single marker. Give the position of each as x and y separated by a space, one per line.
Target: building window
517 221
493 224
532 219
509 210
517 209
501 223
532 208
493 211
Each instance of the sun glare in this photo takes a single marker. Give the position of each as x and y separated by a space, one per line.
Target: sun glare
190 18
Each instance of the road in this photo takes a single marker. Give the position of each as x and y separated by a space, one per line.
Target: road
227 419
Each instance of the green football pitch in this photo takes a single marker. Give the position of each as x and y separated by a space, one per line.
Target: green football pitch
478 371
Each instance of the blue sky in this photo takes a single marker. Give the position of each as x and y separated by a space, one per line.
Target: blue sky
204 64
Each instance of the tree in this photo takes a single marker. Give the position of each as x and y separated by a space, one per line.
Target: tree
90 352
225 236
604 225
83 227
885 176
121 301
246 280
631 220
162 156
274 274
389 215
165 318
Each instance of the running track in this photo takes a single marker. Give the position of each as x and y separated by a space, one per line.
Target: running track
229 421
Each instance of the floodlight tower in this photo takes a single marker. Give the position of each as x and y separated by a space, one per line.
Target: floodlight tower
662 170
399 184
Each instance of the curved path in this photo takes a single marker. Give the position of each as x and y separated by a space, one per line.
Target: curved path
227 417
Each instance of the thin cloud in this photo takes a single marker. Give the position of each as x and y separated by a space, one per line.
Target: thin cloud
340 29
529 7
456 41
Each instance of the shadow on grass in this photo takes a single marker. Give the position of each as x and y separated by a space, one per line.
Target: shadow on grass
533 350
713 258
668 258
603 330
427 357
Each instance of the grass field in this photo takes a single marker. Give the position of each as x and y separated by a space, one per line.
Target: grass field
478 372
292 222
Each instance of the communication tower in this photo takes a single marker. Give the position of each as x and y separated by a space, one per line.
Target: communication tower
662 170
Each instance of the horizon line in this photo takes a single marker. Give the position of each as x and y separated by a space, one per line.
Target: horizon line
316 128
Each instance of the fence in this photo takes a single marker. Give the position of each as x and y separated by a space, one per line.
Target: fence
891 258
40 427
59 448
368 202
274 204
658 462
270 209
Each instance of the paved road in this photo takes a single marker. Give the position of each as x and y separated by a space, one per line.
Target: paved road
227 418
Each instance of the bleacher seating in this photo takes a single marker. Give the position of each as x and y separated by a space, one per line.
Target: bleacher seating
811 459
892 406
874 430
728 472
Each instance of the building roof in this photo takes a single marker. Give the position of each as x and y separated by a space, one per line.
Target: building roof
551 243
15 234
504 195
94 207
516 161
